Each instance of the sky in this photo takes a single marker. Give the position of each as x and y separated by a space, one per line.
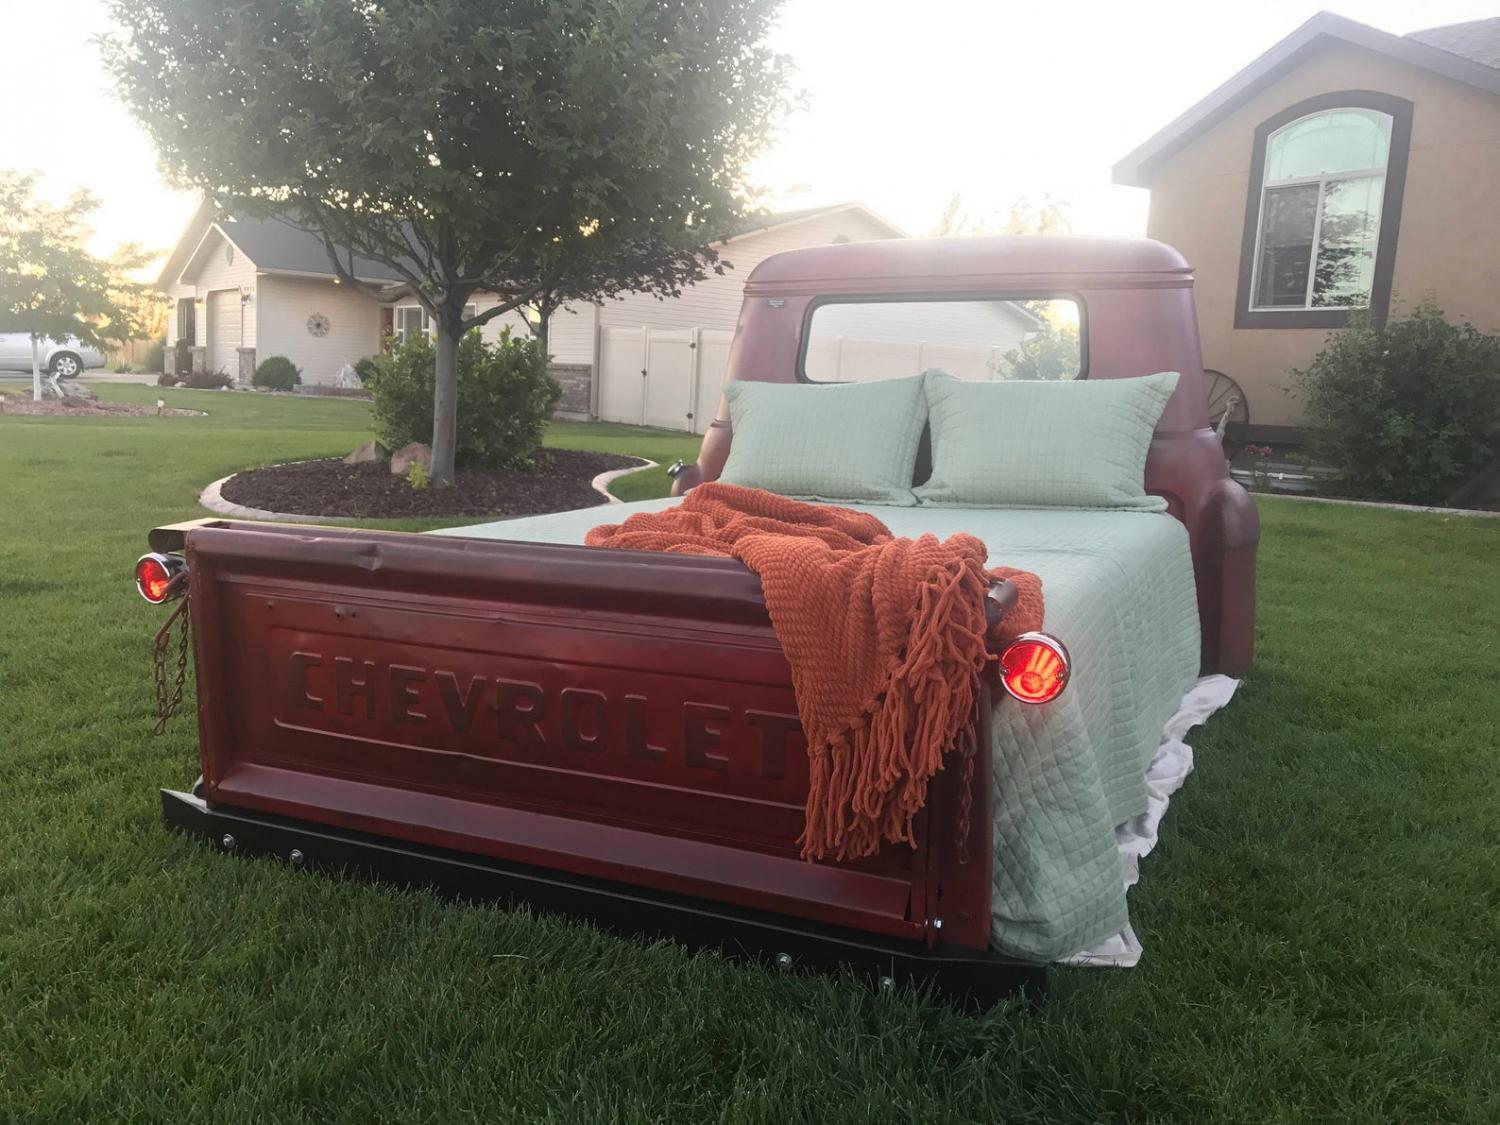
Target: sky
903 105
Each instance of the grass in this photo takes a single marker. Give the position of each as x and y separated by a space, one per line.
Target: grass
1320 918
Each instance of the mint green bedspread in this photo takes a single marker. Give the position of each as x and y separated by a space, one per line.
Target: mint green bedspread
1119 592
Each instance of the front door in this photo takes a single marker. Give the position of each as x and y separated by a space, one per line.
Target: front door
187 320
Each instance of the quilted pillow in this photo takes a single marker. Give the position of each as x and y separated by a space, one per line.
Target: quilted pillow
844 441
1026 444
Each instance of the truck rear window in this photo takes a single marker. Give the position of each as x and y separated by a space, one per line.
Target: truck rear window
860 341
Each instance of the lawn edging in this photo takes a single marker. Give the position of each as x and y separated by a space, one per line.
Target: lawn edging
602 482
1473 513
212 498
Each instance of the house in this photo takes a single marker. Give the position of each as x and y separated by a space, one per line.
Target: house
247 288
1344 171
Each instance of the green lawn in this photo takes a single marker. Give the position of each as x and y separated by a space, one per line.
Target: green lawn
1321 919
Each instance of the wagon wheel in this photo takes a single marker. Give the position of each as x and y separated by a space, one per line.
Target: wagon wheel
1228 410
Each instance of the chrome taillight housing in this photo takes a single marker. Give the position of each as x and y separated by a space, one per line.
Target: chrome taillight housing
158 577
1034 668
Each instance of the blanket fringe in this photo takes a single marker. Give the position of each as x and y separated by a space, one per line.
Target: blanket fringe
868 784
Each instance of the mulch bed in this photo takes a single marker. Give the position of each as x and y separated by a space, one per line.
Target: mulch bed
85 408
371 491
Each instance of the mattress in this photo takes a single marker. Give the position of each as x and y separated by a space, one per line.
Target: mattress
1119 592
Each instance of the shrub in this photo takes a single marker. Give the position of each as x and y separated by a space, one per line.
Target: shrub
155 356
165 380
277 374
208 380
504 398
1408 411
363 368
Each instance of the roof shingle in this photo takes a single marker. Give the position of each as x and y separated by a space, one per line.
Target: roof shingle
1476 40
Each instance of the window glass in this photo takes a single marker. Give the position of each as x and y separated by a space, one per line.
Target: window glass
1346 241
1342 140
981 340
414 318
1286 245
1320 211
408 321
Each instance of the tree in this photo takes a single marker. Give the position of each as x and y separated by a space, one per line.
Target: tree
1024 217
532 149
1048 217
50 285
1050 353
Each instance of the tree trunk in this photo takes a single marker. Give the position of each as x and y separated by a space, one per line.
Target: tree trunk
542 329
36 372
445 396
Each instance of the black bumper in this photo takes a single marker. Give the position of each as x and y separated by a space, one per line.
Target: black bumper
971 979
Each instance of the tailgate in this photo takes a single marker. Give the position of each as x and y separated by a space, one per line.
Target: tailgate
615 714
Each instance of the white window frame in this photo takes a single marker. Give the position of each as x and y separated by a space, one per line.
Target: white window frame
470 310
1322 181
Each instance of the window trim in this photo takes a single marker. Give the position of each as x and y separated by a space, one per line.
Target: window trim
911 298
471 310
1400 112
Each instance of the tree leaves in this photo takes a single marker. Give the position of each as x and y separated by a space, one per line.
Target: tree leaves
50 285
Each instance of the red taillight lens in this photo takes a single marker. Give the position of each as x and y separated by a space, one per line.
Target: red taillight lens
1034 668
153 577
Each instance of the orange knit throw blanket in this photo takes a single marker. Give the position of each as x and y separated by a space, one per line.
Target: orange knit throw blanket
885 638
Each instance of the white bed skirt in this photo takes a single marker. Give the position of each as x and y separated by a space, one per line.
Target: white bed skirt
1168 771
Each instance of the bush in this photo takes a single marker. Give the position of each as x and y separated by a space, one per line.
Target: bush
208 380
363 368
1409 411
504 398
277 374
165 380
156 354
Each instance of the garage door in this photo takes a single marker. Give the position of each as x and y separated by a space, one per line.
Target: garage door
224 331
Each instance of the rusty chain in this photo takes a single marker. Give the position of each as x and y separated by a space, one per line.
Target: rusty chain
168 699
968 748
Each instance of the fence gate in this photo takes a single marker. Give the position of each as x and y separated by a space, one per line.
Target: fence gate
670 360
665 377
622 375
713 365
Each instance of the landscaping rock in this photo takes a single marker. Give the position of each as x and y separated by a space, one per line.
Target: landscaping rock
68 390
414 453
370 451
348 379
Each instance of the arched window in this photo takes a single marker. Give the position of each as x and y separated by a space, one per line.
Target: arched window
1325 202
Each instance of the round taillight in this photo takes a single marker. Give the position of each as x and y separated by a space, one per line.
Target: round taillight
154 575
1034 668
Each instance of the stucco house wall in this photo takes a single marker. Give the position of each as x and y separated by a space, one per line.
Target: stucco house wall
1447 243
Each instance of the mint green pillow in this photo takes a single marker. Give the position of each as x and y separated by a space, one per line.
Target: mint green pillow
1079 443
841 441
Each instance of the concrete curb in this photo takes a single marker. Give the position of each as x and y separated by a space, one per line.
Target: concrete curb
602 482
212 498
1471 513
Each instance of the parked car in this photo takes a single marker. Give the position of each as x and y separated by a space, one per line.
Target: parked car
67 359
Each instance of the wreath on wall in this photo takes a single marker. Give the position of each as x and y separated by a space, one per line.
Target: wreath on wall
318 325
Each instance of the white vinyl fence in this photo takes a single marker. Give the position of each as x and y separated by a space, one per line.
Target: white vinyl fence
665 377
